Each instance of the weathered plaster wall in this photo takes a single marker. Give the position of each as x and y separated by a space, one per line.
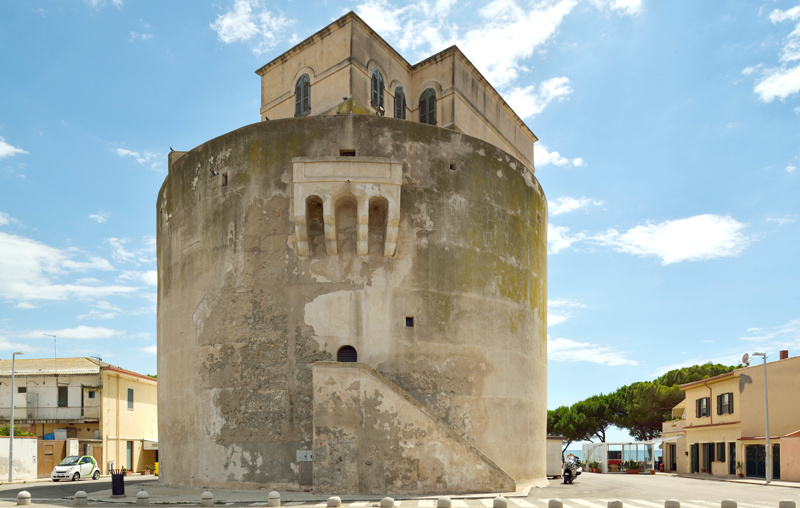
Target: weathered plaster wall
242 316
371 437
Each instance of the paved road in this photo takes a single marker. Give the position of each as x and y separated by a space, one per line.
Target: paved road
588 491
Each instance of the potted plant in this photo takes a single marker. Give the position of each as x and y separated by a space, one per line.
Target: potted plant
594 466
633 467
739 469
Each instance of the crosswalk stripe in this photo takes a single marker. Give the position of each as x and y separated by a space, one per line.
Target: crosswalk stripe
645 503
426 503
459 503
488 503
356 503
589 503
318 504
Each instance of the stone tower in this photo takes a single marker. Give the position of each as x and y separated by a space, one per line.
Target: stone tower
352 292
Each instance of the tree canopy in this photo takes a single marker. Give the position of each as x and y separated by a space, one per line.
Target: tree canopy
640 407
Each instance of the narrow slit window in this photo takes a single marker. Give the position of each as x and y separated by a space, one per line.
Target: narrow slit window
347 153
377 89
302 96
399 103
224 179
410 321
452 165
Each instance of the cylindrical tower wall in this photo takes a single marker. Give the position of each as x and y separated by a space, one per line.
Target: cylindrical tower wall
241 315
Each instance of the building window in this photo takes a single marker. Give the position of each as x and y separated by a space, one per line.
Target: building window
22 389
399 103
130 398
725 403
702 407
410 321
427 107
721 452
302 96
347 354
377 89
91 394
129 455
63 396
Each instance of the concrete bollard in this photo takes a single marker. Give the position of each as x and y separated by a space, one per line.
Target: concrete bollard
274 498
555 503
786 503
81 499
728 503
142 498
387 502
444 502
206 499
672 503
334 502
500 502
616 503
24 497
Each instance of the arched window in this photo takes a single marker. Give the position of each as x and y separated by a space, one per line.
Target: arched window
427 107
302 96
315 227
377 89
347 354
399 103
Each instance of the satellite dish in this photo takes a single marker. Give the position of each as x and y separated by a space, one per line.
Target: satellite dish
746 359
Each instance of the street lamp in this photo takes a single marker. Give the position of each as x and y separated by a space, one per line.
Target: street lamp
768 451
11 427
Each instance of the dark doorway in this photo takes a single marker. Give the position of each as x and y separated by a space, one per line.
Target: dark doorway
695 462
776 462
347 354
756 465
731 458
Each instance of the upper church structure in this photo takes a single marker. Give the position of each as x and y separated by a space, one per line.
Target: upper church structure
348 68
352 291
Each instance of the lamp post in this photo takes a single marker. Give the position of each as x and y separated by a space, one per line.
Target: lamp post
11 427
767 450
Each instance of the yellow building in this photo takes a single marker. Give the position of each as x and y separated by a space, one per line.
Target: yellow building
718 428
110 411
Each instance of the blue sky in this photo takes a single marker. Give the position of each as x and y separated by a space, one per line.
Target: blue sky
669 152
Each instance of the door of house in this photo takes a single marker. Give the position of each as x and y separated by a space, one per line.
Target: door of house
49 454
695 465
731 458
672 457
756 465
776 462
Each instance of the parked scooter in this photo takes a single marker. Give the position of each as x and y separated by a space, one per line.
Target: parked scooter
572 468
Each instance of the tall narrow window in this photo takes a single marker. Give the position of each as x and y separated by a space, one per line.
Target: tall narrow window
63 396
399 103
377 89
427 107
315 225
302 96
130 398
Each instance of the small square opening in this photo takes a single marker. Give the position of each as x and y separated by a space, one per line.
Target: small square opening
347 153
452 165
410 322
224 179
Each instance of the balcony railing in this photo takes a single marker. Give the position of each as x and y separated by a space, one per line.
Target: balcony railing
51 413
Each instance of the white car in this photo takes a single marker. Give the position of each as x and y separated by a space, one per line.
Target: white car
76 467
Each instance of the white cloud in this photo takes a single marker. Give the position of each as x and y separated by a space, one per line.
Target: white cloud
567 204
248 21
561 307
151 350
790 168
7 150
5 219
509 34
784 336
96 314
99 217
149 277
786 219
145 254
136 36
784 80
152 159
542 156
567 350
102 3
532 100
28 269
558 238
25 305
80 332
695 238
628 7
